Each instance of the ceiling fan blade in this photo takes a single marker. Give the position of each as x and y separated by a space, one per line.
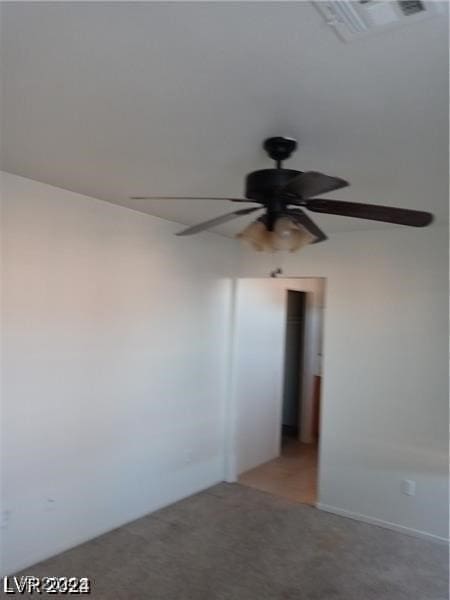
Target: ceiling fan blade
373 212
313 183
218 220
302 219
188 198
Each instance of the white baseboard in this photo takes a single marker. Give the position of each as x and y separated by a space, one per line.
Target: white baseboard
380 523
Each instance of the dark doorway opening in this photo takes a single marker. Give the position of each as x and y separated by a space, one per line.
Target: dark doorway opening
293 367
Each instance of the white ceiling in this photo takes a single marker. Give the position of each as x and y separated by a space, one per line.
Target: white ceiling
119 99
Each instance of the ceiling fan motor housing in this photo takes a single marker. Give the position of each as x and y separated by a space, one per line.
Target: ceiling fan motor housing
264 185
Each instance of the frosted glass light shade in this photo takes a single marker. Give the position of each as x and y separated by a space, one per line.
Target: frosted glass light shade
287 235
257 236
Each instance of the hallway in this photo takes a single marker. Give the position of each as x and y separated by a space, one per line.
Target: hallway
293 475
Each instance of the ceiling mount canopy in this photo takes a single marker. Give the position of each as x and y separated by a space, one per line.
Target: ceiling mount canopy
282 193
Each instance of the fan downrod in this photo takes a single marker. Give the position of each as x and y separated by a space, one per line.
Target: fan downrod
279 148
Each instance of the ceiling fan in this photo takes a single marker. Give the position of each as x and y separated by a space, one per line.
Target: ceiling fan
283 193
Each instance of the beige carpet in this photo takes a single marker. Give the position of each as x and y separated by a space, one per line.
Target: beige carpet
237 543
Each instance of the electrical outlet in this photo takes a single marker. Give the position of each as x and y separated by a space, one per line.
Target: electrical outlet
408 487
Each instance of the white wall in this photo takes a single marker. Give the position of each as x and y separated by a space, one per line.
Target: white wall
114 345
385 371
98 300
259 330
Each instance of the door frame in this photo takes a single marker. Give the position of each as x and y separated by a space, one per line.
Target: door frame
231 411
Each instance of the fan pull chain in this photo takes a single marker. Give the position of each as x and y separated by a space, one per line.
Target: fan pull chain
277 264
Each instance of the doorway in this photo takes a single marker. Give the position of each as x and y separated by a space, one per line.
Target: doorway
278 344
293 367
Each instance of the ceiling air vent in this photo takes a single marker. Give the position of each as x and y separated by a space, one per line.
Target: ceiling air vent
352 19
411 7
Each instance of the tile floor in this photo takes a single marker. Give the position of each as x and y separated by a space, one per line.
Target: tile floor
293 475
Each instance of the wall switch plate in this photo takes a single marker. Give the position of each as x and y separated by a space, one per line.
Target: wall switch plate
408 487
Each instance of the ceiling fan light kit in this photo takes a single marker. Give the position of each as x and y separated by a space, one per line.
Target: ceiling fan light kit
282 193
286 235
